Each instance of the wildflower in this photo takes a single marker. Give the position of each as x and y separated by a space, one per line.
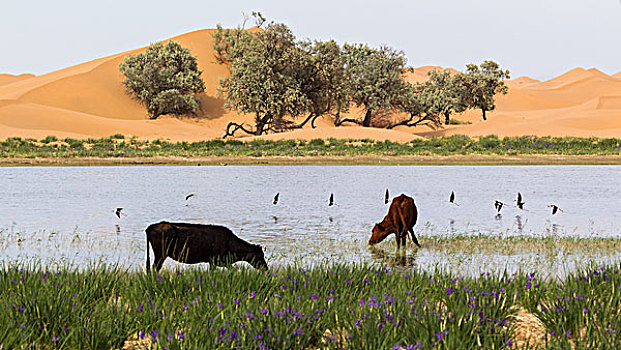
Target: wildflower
237 301
181 334
154 335
55 339
348 282
252 294
263 311
313 296
298 332
449 291
140 308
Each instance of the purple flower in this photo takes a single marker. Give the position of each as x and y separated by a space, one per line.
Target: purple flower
298 332
180 334
159 277
54 339
313 296
449 291
140 308
348 282
237 301
252 294
264 311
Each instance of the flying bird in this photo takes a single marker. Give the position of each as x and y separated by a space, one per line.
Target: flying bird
386 197
331 201
452 198
520 202
189 196
276 198
555 208
498 205
118 212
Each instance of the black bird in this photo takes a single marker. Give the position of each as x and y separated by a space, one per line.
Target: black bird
331 202
189 196
554 208
452 198
386 197
118 212
520 202
498 205
276 198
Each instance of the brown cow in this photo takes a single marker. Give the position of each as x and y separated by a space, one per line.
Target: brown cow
401 218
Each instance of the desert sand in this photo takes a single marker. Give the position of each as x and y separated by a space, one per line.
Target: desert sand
89 100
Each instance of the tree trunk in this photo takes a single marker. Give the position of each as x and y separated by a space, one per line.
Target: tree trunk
367 119
484 118
447 119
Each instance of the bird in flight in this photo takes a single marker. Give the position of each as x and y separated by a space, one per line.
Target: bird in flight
118 212
386 197
498 205
276 198
189 196
555 208
452 198
520 202
331 201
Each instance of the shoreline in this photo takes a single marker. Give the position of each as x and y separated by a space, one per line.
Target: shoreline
528 159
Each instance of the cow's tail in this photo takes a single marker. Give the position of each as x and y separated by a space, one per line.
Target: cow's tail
148 255
415 217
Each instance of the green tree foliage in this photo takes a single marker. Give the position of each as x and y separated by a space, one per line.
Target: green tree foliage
165 78
269 74
439 94
477 87
375 80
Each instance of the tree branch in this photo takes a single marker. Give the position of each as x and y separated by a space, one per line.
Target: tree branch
430 120
349 120
236 127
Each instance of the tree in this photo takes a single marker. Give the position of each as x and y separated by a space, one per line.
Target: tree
165 78
477 87
420 103
375 80
324 81
439 94
268 76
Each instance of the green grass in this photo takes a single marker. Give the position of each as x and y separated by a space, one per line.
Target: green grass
118 147
363 307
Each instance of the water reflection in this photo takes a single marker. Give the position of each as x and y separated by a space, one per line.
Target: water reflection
399 257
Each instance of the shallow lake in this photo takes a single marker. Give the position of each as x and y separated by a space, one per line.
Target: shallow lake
67 213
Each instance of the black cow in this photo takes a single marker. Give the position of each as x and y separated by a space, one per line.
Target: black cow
194 243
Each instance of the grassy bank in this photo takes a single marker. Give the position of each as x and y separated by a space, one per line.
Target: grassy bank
325 307
452 150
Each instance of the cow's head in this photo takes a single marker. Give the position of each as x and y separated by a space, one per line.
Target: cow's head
256 258
379 233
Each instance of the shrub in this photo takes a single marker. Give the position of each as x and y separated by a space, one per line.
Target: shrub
165 78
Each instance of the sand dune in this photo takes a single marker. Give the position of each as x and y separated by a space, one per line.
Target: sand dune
6 79
88 100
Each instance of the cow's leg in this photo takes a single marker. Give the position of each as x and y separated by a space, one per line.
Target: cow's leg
404 235
159 262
